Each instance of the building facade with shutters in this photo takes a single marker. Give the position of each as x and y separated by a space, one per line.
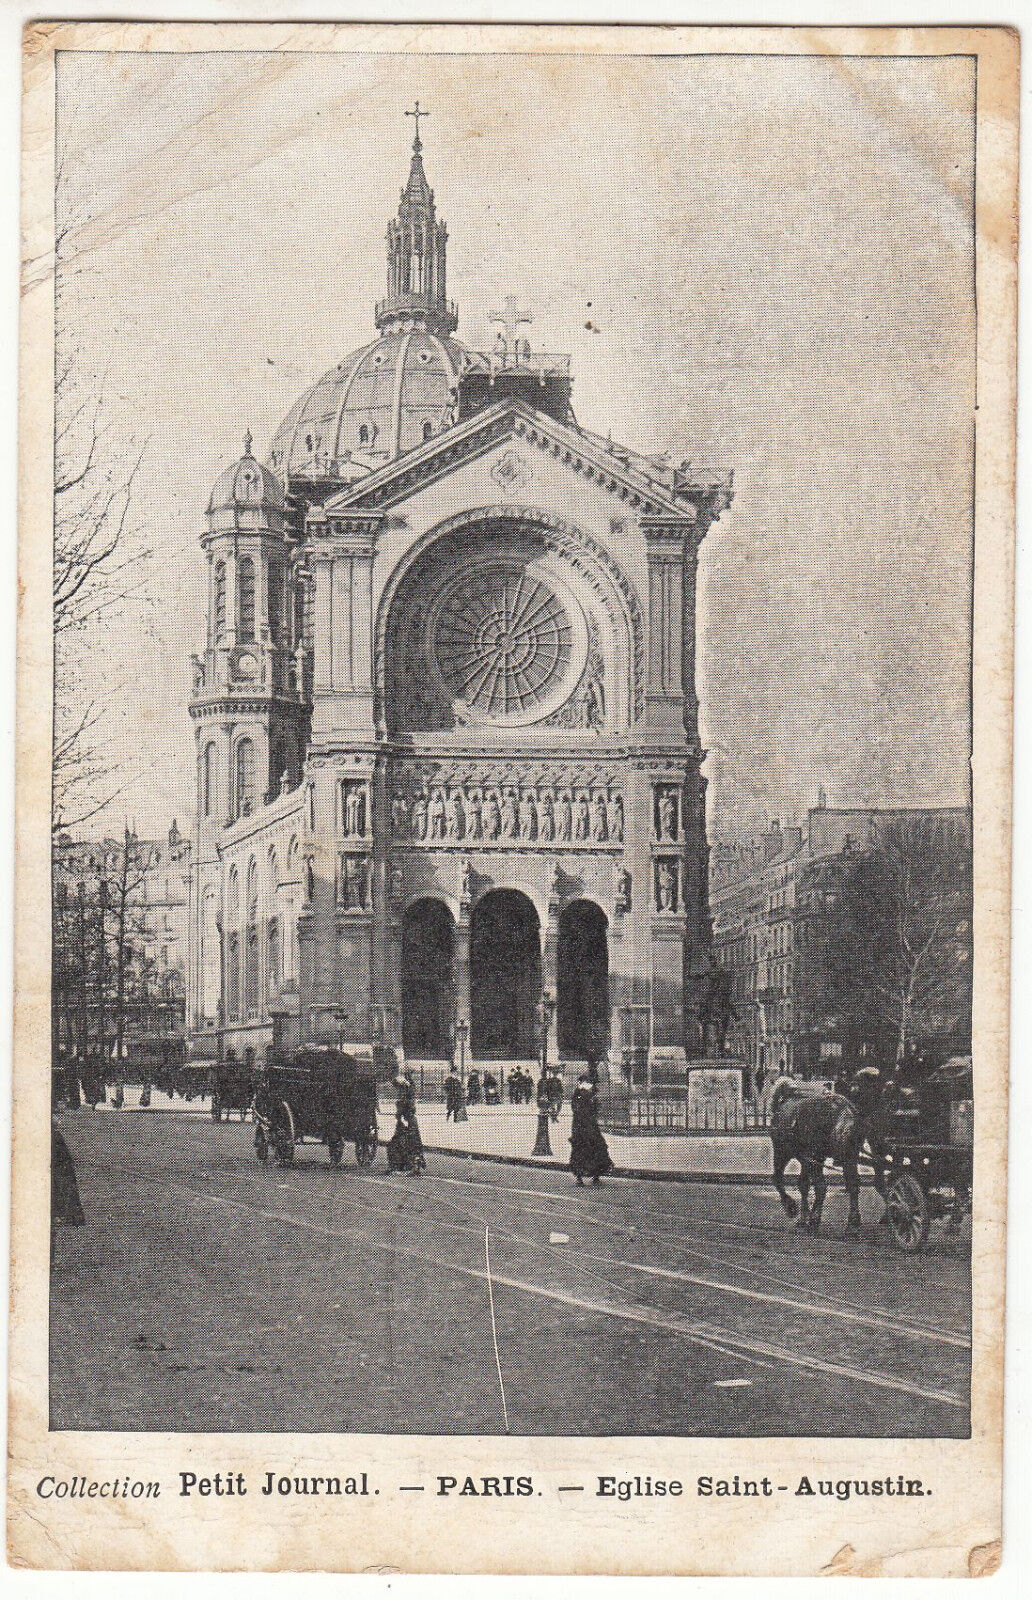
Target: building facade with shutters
448 761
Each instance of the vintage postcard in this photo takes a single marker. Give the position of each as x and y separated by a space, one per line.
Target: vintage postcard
513 799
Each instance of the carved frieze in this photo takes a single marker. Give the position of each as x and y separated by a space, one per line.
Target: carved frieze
450 803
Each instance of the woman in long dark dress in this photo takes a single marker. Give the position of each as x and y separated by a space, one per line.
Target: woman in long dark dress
405 1150
589 1153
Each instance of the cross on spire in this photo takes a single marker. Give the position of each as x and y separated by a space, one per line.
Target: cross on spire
511 317
417 143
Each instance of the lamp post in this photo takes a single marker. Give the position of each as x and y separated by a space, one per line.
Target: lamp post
461 1032
542 1145
547 1013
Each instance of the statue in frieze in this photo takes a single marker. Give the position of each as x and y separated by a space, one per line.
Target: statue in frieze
546 818
623 889
399 814
581 818
492 815
666 886
600 819
420 816
437 815
528 817
474 816
616 818
564 817
510 817
455 818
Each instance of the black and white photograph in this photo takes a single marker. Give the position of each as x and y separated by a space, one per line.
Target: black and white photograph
512 858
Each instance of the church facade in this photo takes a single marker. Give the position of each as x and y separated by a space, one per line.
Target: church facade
449 779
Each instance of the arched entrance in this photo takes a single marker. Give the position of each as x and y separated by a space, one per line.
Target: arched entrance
427 947
582 1008
505 976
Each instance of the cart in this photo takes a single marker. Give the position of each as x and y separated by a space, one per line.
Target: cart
232 1089
926 1138
321 1094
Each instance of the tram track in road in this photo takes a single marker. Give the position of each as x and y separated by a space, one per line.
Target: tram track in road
686 1242
610 1297
818 1304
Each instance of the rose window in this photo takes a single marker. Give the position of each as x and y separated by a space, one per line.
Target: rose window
507 643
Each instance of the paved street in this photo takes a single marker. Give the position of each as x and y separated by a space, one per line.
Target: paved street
209 1293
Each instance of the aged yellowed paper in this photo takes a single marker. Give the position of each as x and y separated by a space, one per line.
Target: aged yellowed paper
513 824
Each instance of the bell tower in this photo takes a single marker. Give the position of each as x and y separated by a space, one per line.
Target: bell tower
250 705
417 244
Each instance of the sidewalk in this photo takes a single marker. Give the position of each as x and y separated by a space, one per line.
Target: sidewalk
507 1133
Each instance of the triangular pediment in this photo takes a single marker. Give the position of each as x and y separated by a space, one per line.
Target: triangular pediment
598 463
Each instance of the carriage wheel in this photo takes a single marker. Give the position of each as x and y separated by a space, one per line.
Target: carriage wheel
261 1144
365 1149
336 1151
908 1213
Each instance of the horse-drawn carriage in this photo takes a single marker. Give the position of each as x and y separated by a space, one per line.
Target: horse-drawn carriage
921 1140
233 1086
322 1094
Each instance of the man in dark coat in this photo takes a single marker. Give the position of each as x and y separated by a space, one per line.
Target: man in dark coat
452 1096
473 1088
589 1153
405 1149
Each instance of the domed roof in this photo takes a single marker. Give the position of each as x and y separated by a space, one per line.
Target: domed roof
374 405
246 484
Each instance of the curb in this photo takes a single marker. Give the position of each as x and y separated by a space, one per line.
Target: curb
657 1175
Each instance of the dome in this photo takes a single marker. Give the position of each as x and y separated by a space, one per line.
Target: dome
374 405
246 485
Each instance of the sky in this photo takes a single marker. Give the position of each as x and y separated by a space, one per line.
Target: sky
757 264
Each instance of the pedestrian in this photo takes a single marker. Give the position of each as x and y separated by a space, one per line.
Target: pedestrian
452 1095
65 1205
492 1096
555 1093
514 1086
473 1088
405 1150
589 1153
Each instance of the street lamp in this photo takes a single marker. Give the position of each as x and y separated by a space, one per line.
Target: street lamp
547 1013
461 1033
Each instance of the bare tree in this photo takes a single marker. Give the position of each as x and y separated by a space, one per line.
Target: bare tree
100 554
897 948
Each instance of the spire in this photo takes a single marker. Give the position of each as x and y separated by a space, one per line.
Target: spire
417 255
248 441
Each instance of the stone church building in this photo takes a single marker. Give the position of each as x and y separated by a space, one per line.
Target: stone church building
448 765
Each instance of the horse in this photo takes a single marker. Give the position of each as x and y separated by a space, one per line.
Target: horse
810 1126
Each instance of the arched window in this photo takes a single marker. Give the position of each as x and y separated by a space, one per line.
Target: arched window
208 793
276 601
220 600
272 959
233 976
245 778
363 434
251 976
428 429
245 598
